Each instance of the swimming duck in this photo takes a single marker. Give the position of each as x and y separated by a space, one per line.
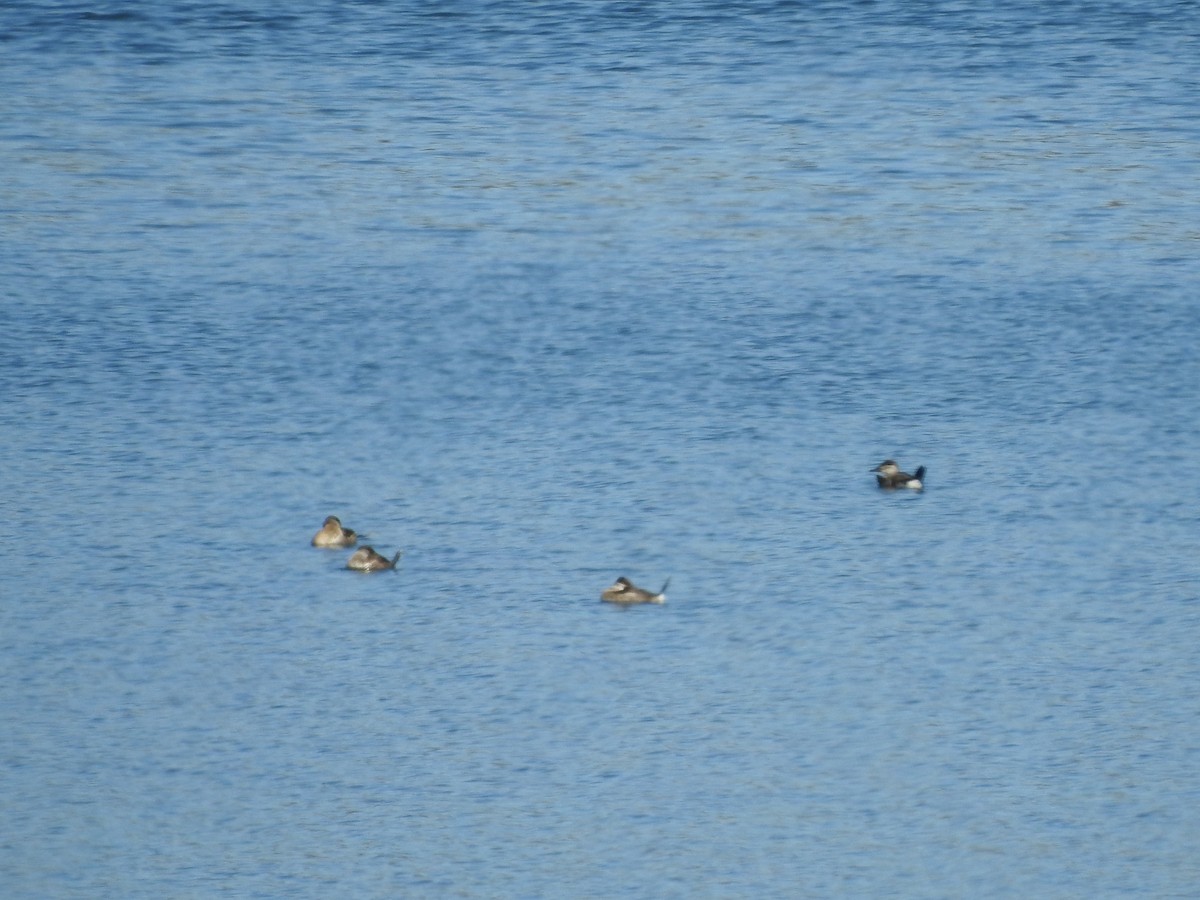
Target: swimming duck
625 591
332 534
365 559
889 476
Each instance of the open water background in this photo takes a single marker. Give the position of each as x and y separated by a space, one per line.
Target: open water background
549 293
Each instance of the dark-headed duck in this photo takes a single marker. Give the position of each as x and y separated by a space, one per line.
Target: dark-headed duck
889 476
625 591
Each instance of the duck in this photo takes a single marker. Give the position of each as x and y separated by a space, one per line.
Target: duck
625 591
365 559
888 476
333 534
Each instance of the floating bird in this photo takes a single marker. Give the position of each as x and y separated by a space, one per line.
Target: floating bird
889 476
365 559
332 534
625 591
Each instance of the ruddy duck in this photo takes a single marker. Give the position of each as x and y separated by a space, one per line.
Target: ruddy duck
889 476
365 559
332 534
625 591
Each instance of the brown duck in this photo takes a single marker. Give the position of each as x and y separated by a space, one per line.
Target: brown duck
332 534
365 559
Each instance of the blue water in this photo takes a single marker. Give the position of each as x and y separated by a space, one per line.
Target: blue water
544 294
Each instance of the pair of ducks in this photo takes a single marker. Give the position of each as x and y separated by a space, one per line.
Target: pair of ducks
887 475
334 535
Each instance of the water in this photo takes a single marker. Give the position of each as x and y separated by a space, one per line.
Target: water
549 294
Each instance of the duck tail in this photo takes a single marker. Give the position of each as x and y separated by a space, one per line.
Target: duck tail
666 584
920 474
396 558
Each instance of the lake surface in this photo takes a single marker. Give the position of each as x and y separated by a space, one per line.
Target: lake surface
544 294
